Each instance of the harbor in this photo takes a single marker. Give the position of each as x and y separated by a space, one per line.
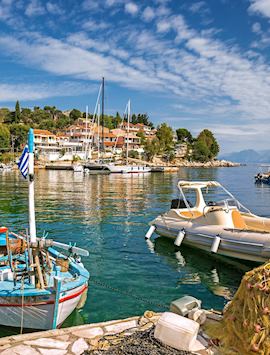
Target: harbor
108 215
134 177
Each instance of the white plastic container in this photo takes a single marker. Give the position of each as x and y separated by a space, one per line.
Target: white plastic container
176 331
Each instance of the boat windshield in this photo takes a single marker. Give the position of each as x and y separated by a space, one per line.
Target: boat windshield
220 197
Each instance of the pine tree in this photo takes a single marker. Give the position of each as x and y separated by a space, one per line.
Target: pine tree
17 112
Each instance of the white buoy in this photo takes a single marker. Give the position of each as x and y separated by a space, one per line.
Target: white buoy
151 230
180 236
215 244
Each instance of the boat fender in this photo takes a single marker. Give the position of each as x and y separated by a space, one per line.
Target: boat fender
151 230
180 236
215 244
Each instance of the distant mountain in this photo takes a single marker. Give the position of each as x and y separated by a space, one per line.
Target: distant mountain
248 156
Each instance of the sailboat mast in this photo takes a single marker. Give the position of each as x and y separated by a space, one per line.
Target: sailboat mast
128 121
102 115
98 123
86 132
31 192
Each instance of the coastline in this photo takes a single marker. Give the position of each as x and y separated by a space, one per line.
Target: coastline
168 167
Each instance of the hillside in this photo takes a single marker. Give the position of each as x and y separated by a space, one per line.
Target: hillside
248 156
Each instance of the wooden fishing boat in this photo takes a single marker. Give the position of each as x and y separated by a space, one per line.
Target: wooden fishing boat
223 227
39 285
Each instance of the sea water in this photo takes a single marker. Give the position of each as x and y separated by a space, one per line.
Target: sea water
108 215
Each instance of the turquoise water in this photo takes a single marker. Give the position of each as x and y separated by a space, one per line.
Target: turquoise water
108 215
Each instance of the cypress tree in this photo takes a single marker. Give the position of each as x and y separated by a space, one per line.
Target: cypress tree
17 112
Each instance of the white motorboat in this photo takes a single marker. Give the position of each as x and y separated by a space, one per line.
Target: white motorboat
128 169
223 227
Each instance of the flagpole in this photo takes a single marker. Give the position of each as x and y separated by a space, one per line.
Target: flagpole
31 193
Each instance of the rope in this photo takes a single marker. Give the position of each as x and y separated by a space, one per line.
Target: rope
130 294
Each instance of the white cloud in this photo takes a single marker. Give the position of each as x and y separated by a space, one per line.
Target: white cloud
34 8
91 25
90 5
261 7
148 14
131 8
54 9
29 92
113 2
197 6
256 27
62 58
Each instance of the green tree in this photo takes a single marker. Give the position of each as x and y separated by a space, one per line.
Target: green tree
211 143
17 112
19 134
200 151
117 120
4 137
165 136
75 114
62 122
4 114
142 136
133 154
26 116
151 148
183 135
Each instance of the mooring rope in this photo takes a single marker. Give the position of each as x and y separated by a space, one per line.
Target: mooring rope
128 293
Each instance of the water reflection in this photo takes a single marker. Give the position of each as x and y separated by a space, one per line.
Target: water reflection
198 267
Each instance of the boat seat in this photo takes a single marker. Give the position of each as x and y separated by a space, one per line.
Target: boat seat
189 214
238 220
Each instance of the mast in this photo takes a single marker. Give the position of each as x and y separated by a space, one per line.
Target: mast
98 123
102 115
86 131
128 120
31 192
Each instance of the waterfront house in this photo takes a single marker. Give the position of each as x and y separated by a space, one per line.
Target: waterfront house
56 147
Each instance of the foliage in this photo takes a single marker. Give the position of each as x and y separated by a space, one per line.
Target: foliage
133 154
17 112
209 140
18 134
4 114
183 135
4 137
141 118
6 157
76 158
200 151
142 136
151 148
165 137
170 156
75 114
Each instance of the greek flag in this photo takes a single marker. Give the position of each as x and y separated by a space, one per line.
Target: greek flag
24 161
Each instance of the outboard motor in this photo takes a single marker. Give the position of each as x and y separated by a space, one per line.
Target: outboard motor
179 203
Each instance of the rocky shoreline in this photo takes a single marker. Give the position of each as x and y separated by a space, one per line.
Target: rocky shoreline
209 164
168 167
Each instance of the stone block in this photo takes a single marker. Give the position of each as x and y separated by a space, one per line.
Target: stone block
64 337
120 327
48 343
20 350
79 346
89 333
52 351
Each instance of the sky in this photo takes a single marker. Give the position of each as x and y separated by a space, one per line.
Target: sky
193 64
